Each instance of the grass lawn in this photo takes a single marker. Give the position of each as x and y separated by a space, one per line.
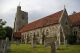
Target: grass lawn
23 48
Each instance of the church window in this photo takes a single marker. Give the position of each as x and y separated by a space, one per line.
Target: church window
75 32
79 27
47 32
37 34
66 23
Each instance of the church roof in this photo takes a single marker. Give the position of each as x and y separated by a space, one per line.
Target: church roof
48 20
75 19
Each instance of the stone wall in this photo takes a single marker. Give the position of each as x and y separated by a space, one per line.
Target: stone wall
38 36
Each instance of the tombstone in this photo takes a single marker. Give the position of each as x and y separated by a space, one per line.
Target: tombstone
40 40
57 44
6 46
45 44
17 42
33 42
1 47
65 43
49 41
53 47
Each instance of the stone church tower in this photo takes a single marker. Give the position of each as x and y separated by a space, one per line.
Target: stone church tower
21 19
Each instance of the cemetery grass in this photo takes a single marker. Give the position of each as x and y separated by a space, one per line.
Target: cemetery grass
23 48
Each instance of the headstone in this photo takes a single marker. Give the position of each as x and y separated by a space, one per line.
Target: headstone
17 42
0 46
66 43
33 42
49 41
53 47
57 44
45 43
4 45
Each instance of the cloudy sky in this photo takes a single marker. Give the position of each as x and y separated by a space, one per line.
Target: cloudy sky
36 8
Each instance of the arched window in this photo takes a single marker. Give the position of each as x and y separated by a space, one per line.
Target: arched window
75 33
46 32
79 27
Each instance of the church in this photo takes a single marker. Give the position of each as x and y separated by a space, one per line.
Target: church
56 26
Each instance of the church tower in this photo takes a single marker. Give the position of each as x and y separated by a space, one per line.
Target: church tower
21 19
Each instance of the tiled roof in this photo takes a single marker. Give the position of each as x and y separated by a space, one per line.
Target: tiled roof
49 20
75 19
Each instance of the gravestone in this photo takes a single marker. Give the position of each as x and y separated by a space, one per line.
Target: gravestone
49 41
53 47
34 42
65 43
17 42
4 45
1 46
57 44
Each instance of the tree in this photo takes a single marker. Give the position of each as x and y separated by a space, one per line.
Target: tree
2 30
8 32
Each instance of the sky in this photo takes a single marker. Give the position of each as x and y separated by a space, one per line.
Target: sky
36 9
